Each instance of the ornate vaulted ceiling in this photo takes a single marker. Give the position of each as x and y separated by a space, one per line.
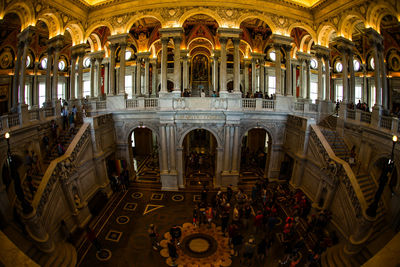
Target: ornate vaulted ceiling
306 3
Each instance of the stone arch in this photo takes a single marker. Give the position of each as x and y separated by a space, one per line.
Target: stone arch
132 126
96 25
199 52
324 32
137 17
303 26
190 128
53 22
348 22
199 10
303 41
255 126
75 29
97 44
200 38
24 10
376 12
264 18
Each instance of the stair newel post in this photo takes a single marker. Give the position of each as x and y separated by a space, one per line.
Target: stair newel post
361 235
35 227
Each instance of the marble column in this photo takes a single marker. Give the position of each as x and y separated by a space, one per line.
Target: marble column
164 66
154 88
72 77
308 79
113 47
253 75
227 153
146 76
364 87
172 150
222 71
352 81
177 63
375 42
139 76
262 75
320 82
236 65
164 146
235 152
345 76
106 76
15 99
57 50
35 90
327 78
48 74
185 69
215 70
302 73
278 74
121 88
80 76
382 67
92 65
288 91
22 74
246 75
98 76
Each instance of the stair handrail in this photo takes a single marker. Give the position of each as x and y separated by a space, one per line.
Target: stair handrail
349 180
59 168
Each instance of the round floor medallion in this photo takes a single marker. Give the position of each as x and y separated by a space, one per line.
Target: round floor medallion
199 245
177 198
122 219
103 255
137 195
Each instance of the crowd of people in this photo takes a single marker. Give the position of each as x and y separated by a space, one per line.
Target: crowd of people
270 215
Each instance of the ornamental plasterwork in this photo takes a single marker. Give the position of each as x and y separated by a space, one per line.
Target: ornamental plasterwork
217 130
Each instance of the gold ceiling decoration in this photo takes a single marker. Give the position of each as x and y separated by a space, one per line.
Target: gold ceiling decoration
306 3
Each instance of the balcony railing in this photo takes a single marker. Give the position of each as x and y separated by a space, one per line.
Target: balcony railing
34 114
249 103
49 112
268 104
132 103
101 105
386 122
351 114
151 102
366 117
13 120
299 106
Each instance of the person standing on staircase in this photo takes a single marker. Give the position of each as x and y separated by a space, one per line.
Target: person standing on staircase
64 114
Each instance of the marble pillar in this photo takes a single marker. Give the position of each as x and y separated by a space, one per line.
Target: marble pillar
177 64
72 77
146 76
20 48
48 74
139 76
288 91
164 66
121 87
278 74
113 47
236 65
222 68
92 65
327 79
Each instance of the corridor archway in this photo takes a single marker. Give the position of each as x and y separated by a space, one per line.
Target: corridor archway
199 158
144 155
255 156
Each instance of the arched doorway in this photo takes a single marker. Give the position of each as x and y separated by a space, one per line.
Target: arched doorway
144 155
255 156
199 155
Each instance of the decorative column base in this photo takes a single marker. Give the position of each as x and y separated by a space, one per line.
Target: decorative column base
23 113
116 102
169 181
83 216
37 232
284 103
229 178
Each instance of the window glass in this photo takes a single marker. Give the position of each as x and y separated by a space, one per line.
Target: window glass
314 63
44 63
128 55
338 67
61 91
372 103
272 55
27 95
86 62
372 63
271 85
28 61
61 65
356 64
314 91
128 85
42 94
358 93
86 88
339 92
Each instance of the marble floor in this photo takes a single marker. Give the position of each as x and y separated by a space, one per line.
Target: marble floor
122 231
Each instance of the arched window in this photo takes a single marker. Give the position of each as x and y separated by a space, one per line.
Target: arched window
28 61
272 55
86 62
356 65
338 66
43 63
314 63
61 65
372 63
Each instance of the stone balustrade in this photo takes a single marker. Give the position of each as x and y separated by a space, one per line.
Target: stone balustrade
373 119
